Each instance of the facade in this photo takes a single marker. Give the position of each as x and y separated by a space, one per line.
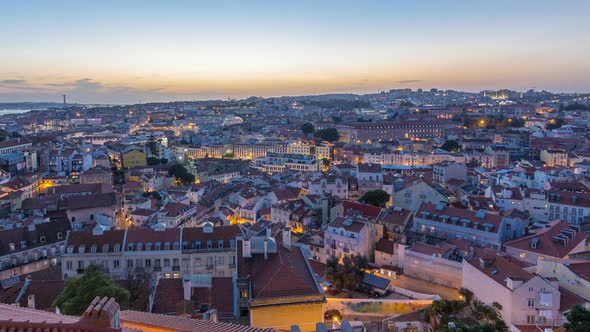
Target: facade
279 162
347 237
333 185
411 197
368 132
446 170
526 299
171 252
554 243
133 156
554 157
31 248
276 287
479 227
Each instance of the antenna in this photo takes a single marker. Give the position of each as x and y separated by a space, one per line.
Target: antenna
64 99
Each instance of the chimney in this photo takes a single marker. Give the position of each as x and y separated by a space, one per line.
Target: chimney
187 288
265 249
31 301
102 313
287 237
246 248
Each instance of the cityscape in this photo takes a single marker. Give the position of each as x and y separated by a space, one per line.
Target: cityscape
270 167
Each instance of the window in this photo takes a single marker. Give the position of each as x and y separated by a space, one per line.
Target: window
220 260
530 319
23 244
80 265
148 246
59 236
220 244
232 243
69 265
531 303
176 275
42 239
531 289
175 262
116 263
243 293
12 246
209 244
91 217
166 262
148 263
73 219
522 255
129 263
157 263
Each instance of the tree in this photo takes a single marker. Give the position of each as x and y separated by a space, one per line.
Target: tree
347 275
578 319
139 286
328 134
554 123
307 128
451 146
80 290
181 173
466 294
336 119
375 197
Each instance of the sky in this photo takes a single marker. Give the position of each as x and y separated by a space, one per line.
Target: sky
142 51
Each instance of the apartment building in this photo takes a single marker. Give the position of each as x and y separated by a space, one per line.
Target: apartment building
446 170
479 227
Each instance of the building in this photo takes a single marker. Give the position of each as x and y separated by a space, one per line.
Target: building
275 286
555 242
416 193
369 176
554 157
32 247
369 132
97 175
446 170
346 237
526 298
279 162
479 227
133 156
332 185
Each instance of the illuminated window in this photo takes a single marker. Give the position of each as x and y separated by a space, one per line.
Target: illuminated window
522 255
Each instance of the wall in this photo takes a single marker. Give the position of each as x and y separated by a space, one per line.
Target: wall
282 317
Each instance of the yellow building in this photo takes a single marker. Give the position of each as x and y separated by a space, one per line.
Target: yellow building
133 157
276 286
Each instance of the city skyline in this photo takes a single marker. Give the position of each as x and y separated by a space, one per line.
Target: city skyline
108 52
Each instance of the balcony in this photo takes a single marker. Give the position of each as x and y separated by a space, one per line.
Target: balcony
209 267
346 250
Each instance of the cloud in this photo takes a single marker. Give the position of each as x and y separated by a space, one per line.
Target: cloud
409 81
17 82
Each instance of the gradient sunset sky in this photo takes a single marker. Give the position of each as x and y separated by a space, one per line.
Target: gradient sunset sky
126 51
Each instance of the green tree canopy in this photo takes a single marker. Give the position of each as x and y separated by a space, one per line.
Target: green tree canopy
578 319
181 173
328 134
80 290
307 128
376 197
451 146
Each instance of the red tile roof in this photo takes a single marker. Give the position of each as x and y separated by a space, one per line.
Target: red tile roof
284 274
366 210
184 324
168 293
545 244
504 267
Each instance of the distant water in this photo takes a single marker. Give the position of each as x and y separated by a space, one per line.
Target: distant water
4 112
